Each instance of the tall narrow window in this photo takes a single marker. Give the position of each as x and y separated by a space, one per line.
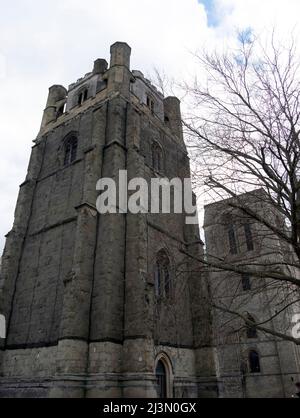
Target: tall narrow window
248 236
157 157
251 328
246 282
158 289
150 104
85 95
70 150
232 239
163 283
161 376
254 362
82 96
61 111
80 99
167 283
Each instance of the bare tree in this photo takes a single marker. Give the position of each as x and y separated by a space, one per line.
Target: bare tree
244 136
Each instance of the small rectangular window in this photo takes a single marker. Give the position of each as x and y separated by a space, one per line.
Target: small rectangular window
61 110
232 240
248 236
79 100
254 362
150 104
246 282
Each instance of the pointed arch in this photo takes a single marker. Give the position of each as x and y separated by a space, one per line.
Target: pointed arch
164 376
70 148
157 156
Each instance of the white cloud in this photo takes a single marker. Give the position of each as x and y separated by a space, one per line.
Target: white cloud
42 43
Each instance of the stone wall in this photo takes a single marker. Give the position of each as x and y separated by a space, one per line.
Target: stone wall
278 359
79 294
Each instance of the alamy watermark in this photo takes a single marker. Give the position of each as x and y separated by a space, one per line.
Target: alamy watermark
160 195
2 327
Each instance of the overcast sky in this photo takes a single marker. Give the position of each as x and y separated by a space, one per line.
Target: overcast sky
56 41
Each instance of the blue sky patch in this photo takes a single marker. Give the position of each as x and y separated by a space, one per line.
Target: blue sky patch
246 35
212 18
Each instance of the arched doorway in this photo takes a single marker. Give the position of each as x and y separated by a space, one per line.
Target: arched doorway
161 376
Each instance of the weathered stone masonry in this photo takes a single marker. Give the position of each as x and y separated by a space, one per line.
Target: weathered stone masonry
78 290
279 359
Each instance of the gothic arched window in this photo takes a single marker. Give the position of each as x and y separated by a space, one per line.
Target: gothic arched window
70 150
164 376
254 362
251 329
161 376
163 280
157 157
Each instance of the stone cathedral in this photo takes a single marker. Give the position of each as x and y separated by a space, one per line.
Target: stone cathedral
119 304
85 314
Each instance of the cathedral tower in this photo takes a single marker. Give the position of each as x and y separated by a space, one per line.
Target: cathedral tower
110 305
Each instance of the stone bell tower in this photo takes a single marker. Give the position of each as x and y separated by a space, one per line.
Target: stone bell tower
110 305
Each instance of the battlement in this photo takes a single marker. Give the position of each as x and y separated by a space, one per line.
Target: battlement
139 75
109 79
80 81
